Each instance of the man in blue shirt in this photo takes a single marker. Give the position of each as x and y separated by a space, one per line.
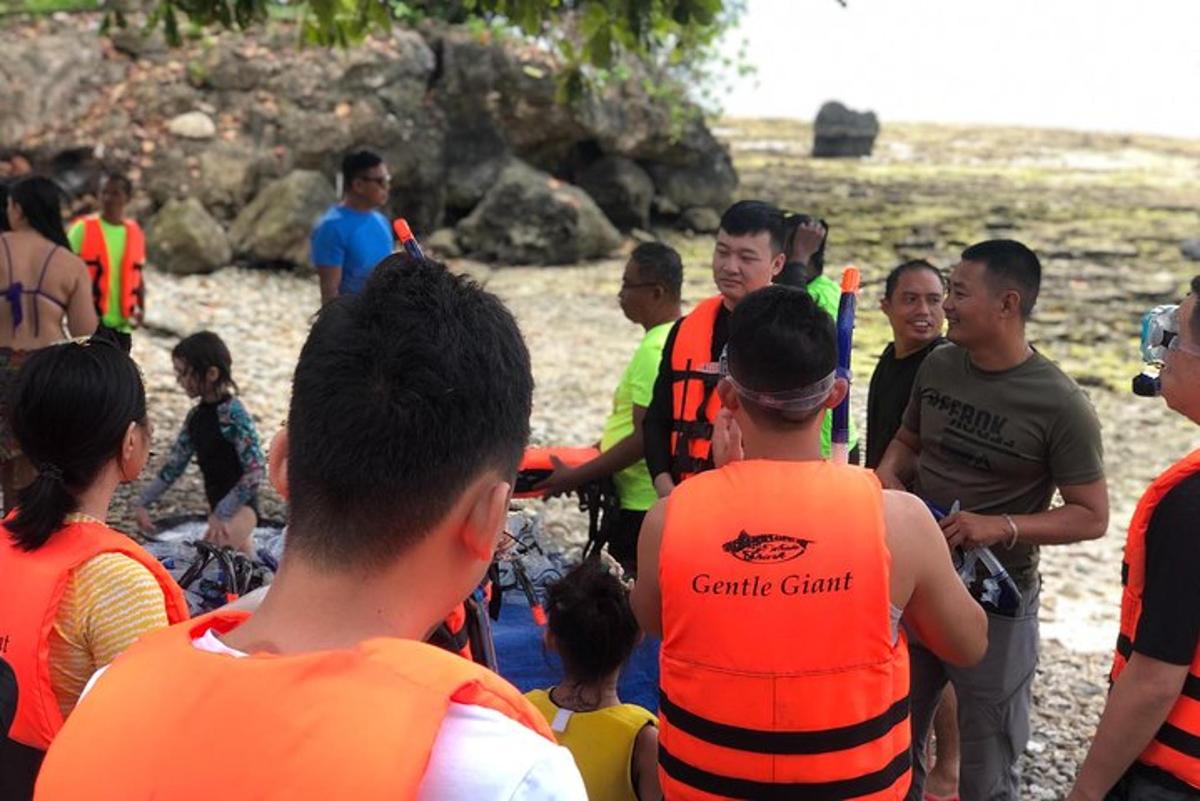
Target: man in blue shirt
352 237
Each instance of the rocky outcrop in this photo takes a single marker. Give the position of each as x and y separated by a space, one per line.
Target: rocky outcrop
529 217
841 133
184 239
449 110
621 189
275 227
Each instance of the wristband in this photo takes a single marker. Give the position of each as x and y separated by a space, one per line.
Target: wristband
1012 524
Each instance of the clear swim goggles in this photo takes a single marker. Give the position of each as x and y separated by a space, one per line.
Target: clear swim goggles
797 401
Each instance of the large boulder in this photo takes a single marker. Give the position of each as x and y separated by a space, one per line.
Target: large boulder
696 170
275 227
184 239
1191 249
49 80
227 176
842 133
621 189
529 217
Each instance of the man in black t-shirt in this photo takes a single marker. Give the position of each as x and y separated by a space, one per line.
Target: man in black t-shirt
912 300
1147 746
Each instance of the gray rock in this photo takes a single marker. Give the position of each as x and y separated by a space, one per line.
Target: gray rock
49 80
443 243
1191 249
193 125
621 189
133 40
696 170
275 227
528 217
842 133
226 182
184 239
700 219
227 67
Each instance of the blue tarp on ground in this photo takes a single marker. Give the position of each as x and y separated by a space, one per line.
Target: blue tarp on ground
525 661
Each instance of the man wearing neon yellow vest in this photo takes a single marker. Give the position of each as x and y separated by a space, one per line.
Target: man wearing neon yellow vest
114 249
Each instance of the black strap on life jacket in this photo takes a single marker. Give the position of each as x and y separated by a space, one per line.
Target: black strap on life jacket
599 499
682 461
784 743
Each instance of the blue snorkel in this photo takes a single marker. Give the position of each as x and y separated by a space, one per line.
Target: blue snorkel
847 308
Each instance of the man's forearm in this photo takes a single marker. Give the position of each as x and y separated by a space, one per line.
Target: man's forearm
899 460
1068 523
618 457
1138 705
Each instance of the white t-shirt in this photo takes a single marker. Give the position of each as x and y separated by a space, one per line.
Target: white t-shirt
479 754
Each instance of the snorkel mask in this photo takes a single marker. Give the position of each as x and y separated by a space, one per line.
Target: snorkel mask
1159 326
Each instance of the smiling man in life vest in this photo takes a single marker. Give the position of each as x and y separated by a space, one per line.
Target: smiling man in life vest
1147 747
778 582
114 249
398 461
679 421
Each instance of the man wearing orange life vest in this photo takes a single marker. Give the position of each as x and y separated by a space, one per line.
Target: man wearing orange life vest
398 460
778 582
679 421
1147 746
114 249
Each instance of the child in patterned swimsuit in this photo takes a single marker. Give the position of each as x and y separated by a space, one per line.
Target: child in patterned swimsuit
220 433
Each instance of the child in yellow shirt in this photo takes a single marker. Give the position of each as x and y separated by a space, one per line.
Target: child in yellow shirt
592 627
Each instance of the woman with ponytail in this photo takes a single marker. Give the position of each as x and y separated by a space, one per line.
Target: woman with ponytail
43 286
74 593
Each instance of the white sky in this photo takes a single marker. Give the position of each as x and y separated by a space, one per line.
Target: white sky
1103 65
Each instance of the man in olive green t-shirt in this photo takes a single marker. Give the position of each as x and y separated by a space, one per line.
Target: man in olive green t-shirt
993 428
649 296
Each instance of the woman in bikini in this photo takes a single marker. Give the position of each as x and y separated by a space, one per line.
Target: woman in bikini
46 296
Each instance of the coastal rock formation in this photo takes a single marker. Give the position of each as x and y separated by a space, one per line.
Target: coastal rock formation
220 118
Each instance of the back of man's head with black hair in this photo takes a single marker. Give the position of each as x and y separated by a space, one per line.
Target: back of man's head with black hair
1010 265
660 263
780 340
402 397
749 217
355 164
893 278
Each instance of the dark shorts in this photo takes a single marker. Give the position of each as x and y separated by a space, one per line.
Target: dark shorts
622 543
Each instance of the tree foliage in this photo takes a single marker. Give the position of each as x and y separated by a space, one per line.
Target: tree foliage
589 36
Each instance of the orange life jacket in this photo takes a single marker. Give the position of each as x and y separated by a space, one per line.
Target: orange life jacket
1176 747
357 723
536 466
94 252
694 399
30 591
780 677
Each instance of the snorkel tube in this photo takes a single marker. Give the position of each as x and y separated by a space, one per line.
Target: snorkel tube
847 308
407 240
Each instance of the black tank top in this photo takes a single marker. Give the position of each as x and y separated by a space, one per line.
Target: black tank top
218 459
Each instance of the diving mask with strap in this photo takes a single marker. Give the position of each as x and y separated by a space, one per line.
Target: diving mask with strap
790 401
1160 333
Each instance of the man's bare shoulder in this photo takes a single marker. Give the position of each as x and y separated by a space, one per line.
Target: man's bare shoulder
908 519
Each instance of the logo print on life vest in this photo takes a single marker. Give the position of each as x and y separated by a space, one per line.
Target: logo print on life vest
766 548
